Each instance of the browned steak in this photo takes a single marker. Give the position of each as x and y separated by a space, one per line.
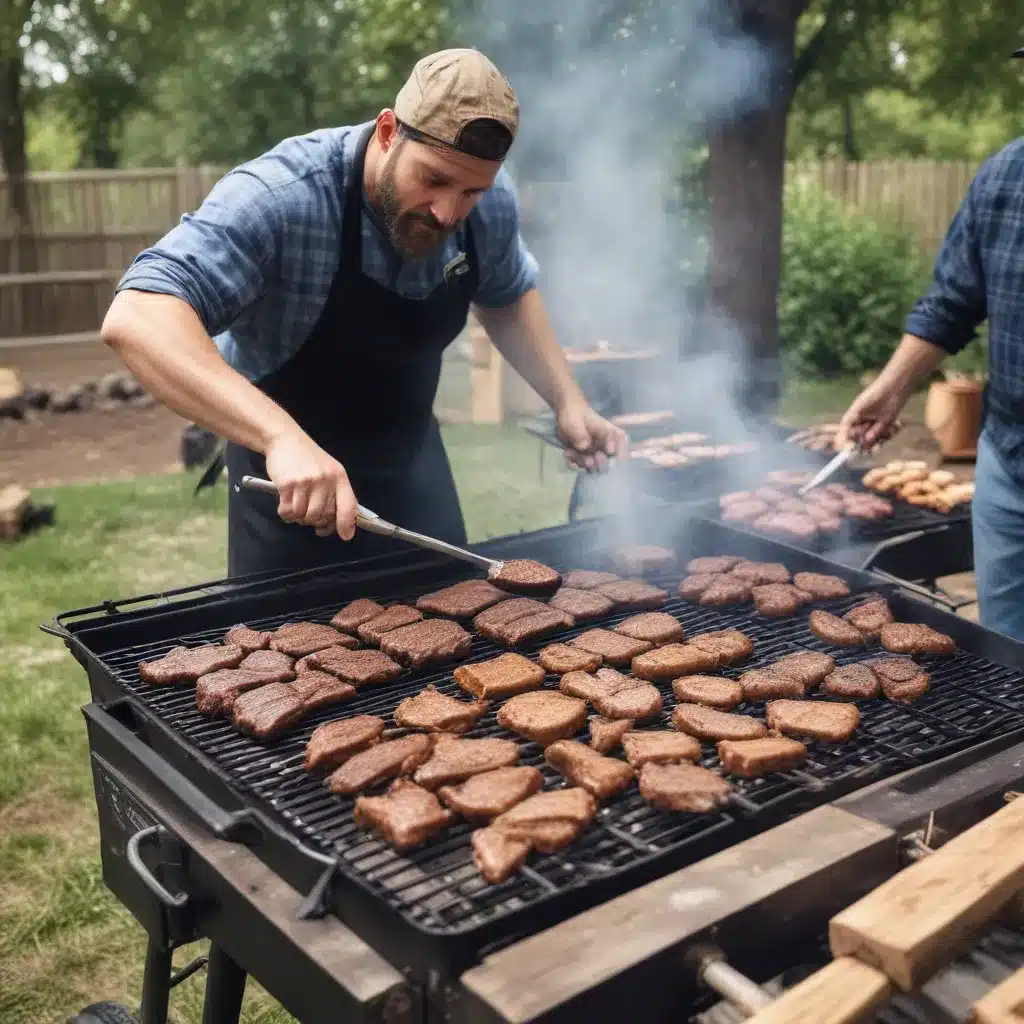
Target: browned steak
724 591
869 618
634 595
535 626
901 678
462 600
581 604
776 600
498 856
182 665
773 495
355 613
455 759
499 677
653 627
430 642
613 694
501 614
360 668
834 630
867 506
829 721
247 638
692 587
524 576
711 691
709 724
683 787
518 619
437 712
764 684
406 816
587 579
333 743
216 691
672 661
660 746
543 715
373 630
757 573
301 638
728 645
640 559
561 658
745 511
606 733
600 776
275 666
267 711
712 564
824 520
915 638
821 586
485 796
852 682
614 648
799 525
751 758
320 690
381 761
810 667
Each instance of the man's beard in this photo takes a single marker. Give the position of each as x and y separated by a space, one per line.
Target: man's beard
412 234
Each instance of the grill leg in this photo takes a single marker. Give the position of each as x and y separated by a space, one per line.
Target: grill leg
225 985
156 985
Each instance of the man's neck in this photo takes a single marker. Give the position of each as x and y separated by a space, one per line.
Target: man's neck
370 165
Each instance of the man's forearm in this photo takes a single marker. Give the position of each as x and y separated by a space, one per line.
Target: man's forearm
911 363
523 334
164 344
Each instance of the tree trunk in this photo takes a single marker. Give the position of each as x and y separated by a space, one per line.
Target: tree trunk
15 160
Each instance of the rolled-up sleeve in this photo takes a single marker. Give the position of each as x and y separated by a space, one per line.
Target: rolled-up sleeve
217 259
508 269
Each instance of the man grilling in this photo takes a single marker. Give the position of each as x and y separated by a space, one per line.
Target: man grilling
303 310
979 274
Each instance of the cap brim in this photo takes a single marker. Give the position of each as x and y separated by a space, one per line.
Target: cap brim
1018 53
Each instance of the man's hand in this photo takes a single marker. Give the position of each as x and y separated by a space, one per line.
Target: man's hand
313 487
871 418
590 439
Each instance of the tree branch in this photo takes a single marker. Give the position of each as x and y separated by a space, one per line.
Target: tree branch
811 53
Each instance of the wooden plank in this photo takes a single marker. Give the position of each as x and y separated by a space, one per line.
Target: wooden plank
75 338
843 992
60 277
1004 1004
920 919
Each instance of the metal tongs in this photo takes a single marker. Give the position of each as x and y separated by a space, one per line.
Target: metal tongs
372 523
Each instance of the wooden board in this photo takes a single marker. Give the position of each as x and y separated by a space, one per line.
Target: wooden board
921 918
1004 1004
843 992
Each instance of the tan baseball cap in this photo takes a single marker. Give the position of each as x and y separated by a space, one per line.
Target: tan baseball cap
450 91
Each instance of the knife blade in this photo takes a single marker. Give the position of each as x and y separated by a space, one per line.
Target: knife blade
835 464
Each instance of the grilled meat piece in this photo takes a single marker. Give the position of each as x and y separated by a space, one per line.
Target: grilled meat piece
505 612
497 855
430 642
437 712
724 591
600 776
533 627
606 733
852 682
581 604
751 758
821 586
355 613
711 691
372 631
518 619
640 559
672 661
543 715
360 668
692 587
275 666
561 658
267 711
709 724
216 692
653 627
809 667
773 495
587 579
869 618
823 519
712 564
777 600
660 746
381 761
182 665
790 524
503 676
333 743
728 645
829 721
461 600
302 638
247 638
613 694
524 576
745 511
868 507
455 759
757 573
634 595
730 498
406 816
683 787
765 684
485 796
320 690
901 678
614 648
834 630
915 638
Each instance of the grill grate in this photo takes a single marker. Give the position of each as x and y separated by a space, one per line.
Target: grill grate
437 887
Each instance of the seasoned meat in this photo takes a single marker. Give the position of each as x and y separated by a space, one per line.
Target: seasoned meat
712 564
455 759
852 682
581 604
606 733
524 576
518 619
653 627
809 667
373 630
497 855
814 719
600 776
728 645
824 520
756 573
430 642
711 691
709 724
790 524
462 600
724 591
273 665
186 664
751 758
381 761
268 710
692 587
765 684
869 618
355 613
503 676
587 579
320 690
543 715
406 816
640 559
834 630
485 796
777 600
613 694
614 648
822 587
901 679
792 506
660 746
535 626
301 638
915 638
437 712
634 595
745 511
773 495
333 743
248 639
683 787
673 660
561 658
868 507
360 668
216 692
730 498
504 612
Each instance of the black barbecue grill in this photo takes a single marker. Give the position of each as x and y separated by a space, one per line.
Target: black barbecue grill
429 912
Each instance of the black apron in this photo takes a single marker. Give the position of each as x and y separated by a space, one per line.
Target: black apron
363 387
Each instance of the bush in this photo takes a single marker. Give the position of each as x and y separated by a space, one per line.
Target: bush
848 283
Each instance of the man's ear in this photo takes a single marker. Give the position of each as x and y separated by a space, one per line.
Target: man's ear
387 130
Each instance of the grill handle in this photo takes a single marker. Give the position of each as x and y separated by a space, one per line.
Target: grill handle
156 832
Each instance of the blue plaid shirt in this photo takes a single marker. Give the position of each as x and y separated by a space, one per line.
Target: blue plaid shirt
256 260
